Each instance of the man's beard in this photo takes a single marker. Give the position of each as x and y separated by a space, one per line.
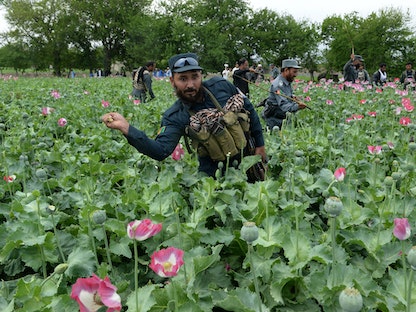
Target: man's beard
188 98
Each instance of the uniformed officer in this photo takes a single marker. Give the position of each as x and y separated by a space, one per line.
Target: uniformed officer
187 81
281 100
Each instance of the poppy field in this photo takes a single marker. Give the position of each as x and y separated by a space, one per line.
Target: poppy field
90 224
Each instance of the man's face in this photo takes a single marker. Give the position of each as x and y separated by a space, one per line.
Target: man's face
244 65
290 74
408 66
187 85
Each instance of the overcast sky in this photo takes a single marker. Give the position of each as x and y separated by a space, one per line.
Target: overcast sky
316 10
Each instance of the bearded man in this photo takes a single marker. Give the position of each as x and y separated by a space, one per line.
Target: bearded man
194 95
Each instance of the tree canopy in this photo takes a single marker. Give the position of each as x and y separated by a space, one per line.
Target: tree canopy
87 34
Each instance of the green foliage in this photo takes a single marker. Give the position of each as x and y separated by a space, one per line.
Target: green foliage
84 167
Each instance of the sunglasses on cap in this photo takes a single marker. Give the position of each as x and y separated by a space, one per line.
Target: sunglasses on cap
185 61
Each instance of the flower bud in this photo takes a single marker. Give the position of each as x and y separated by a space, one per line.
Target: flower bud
41 174
298 153
333 206
388 181
99 216
396 176
249 232
411 257
412 146
61 268
350 300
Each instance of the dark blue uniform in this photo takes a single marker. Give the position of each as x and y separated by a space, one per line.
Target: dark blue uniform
176 118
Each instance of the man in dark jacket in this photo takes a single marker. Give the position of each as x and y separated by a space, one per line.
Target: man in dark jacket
351 68
241 79
192 97
142 82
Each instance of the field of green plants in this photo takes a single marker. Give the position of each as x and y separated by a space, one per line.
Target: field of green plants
335 213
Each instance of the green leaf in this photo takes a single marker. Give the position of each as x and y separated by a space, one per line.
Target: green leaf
81 263
145 299
204 262
297 249
121 248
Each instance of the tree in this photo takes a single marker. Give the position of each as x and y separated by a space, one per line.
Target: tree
42 26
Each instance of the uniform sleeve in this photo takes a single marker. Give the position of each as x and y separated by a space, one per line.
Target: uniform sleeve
284 103
162 146
255 125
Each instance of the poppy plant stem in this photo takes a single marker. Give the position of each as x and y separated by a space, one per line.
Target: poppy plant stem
404 267
333 240
409 292
178 222
57 239
42 252
256 285
107 248
136 275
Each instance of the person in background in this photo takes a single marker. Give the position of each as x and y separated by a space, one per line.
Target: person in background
226 72
274 72
350 69
281 99
408 76
240 77
142 82
260 73
362 74
380 76
193 96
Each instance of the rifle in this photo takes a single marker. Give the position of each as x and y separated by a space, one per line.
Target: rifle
257 172
277 92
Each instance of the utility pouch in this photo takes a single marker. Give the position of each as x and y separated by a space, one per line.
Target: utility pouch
224 139
233 125
205 143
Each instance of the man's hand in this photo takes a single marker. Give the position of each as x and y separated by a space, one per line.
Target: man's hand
302 105
116 121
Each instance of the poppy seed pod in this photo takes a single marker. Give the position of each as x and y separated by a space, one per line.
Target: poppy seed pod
333 206
350 300
99 216
249 232
411 257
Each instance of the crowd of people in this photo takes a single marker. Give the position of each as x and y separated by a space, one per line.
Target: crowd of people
212 98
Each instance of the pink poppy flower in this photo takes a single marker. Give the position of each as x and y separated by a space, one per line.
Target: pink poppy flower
136 102
374 149
105 103
401 228
390 145
167 262
47 110
357 117
55 94
143 229
372 114
378 90
92 293
178 152
62 122
339 174
307 99
9 179
329 102
86 92
363 101
392 101
398 110
405 121
406 101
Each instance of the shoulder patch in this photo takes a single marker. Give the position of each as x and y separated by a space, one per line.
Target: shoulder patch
161 130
